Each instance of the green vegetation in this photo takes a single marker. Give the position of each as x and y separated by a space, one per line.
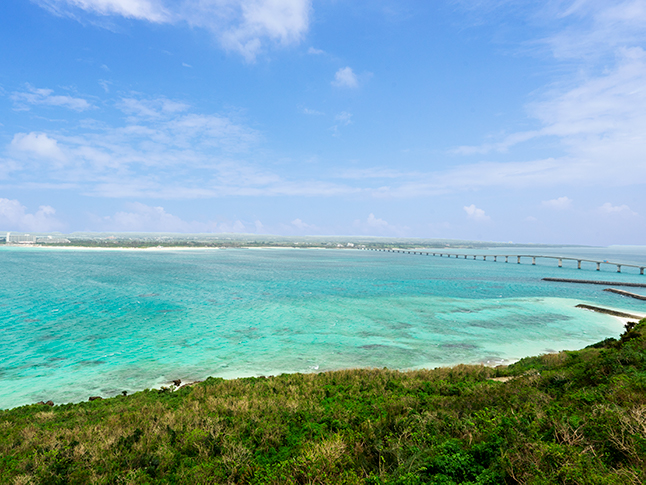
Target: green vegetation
570 418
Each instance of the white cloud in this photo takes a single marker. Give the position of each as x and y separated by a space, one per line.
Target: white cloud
313 112
45 97
617 210
345 78
476 214
561 203
164 151
373 173
14 217
141 217
375 222
237 227
38 144
302 225
315 52
8 166
244 26
373 225
344 118
282 21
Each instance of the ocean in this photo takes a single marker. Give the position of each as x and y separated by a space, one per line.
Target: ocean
77 323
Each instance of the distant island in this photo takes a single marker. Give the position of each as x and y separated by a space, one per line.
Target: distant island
226 240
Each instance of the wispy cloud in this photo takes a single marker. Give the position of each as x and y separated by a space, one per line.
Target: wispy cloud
593 27
344 118
308 111
40 96
243 26
151 108
150 10
142 217
163 150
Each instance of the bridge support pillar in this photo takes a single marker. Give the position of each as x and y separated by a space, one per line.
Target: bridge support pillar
618 268
641 270
560 263
578 266
474 257
484 258
598 266
534 260
518 259
495 258
506 259
465 257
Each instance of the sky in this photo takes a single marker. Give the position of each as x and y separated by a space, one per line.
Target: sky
491 120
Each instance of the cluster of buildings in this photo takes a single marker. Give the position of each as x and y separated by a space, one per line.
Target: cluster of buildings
14 238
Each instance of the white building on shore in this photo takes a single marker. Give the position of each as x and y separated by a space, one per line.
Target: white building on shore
13 238
20 238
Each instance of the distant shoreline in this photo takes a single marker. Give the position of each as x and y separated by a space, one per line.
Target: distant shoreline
160 248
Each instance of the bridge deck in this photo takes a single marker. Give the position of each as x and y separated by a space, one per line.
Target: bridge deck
517 256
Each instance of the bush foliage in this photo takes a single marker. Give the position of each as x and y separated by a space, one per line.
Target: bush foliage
568 418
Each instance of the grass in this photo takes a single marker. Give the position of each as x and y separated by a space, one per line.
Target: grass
573 418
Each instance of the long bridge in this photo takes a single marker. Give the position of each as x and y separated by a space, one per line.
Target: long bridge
507 256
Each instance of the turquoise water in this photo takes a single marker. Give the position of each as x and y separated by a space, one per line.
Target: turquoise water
77 323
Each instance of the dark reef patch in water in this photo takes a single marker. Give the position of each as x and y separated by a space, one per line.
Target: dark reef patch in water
460 346
544 319
44 338
91 363
381 347
91 338
490 324
398 325
368 334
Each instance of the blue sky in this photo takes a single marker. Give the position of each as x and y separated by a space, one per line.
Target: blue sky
495 120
